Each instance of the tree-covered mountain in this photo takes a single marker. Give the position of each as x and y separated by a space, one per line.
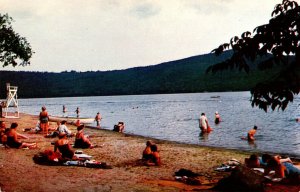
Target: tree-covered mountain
180 76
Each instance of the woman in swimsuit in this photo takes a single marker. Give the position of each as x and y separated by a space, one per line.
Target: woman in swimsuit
81 141
44 120
64 147
12 138
217 117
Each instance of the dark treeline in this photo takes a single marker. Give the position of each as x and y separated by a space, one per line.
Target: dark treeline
181 76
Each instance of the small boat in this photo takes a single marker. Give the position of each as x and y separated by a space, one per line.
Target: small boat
216 96
72 120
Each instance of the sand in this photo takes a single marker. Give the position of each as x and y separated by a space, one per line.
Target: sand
18 172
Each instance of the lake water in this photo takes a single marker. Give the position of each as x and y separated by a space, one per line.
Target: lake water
175 117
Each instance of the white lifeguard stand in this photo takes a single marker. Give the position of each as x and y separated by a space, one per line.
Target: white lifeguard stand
11 105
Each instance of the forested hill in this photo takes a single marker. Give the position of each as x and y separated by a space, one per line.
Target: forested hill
181 76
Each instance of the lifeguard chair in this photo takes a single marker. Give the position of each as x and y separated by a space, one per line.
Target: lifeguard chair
11 106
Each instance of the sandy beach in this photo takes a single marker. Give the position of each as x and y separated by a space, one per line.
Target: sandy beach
18 172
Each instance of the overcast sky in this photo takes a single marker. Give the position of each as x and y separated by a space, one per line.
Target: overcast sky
91 35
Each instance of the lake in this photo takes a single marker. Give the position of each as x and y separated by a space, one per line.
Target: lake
175 117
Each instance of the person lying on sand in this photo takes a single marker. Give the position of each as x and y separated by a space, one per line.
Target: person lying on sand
38 129
81 140
12 138
55 131
254 161
282 170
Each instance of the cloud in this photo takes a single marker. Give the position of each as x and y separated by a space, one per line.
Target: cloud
209 7
116 34
145 10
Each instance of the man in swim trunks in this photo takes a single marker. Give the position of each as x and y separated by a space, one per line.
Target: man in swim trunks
203 122
12 138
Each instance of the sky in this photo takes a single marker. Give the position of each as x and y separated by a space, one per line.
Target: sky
103 35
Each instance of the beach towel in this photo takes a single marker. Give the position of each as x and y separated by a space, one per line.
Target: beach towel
48 157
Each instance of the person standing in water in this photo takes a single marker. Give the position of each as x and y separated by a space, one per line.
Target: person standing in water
77 111
251 134
203 122
98 119
217 117
64 111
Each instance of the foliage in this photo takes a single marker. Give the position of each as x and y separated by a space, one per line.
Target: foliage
181 76
280 38
14 49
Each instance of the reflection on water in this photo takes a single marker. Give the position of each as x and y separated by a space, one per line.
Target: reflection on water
252 144
175 117
203 136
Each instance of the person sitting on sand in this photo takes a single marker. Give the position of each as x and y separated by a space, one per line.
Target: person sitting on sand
251 134
77 123
55 131
81 140
2 125
147 153
252 162
37 128
62 128
12 138
119 127
155 157
2 130
64 147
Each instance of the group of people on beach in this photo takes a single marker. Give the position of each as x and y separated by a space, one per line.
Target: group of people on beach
151 155
63 145
274 166
9 137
